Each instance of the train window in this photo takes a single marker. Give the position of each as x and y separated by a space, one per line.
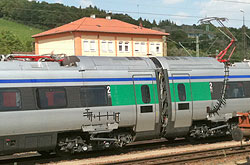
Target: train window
246 86
10 99
145 93
146 109
51 98
235 90
94 96
183 106
215 88
181 92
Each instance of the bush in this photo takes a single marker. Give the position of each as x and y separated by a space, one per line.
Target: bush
9 42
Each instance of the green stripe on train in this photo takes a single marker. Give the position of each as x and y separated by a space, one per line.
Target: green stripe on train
200 91
124 94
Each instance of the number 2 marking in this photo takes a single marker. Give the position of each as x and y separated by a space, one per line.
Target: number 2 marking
108 90
211 87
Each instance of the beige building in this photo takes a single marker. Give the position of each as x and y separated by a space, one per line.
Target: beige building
92 36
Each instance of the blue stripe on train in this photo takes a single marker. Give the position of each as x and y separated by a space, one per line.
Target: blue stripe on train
207 77
76 80
114 79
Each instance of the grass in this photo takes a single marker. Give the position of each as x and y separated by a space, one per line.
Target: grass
23 32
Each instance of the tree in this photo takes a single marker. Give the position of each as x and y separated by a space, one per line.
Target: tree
164 23
179 36
9 43
154 24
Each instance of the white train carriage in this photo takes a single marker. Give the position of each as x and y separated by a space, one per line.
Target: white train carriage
101 99
78 104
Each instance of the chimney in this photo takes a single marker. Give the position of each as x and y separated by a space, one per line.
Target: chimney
108 17
109 13
92 16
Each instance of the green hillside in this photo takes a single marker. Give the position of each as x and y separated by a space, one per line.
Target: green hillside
23 32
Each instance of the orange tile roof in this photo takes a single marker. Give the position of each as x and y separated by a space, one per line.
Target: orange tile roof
88 24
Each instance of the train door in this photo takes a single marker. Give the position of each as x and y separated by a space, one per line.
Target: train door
145 102
183 101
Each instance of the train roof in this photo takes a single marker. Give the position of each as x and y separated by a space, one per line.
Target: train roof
241 65
187 63
121 63
83 63
115 63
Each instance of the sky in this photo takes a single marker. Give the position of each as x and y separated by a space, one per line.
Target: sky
179 11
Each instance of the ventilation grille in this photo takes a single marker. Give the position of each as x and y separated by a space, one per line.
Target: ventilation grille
134 58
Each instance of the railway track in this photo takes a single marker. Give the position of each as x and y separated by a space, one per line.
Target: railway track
189 157
33 157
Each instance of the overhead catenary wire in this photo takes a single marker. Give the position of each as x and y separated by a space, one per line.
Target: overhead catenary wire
113 11
151 5
183 8
151 13
247 35
131 12
212 44
180 44
231 1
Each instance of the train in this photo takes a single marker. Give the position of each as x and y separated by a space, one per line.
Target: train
83 103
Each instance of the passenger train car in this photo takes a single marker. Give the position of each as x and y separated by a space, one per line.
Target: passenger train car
86 103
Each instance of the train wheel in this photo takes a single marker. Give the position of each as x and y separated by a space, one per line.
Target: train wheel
190 139
62 153
237 134
170 139
45 153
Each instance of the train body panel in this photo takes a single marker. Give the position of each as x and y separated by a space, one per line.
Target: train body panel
100 95
99 101
195 85
59 120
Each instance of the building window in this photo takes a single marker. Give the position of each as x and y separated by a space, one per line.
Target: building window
104 46
126 47
120 46
51 98
140 47
157 47
86 46
92 46
143 47
181 92
145 92
107 46
89 45
152 48
123 46
94 96
110 46
137 47
10 99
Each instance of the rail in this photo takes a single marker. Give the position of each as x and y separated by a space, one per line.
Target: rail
189 157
